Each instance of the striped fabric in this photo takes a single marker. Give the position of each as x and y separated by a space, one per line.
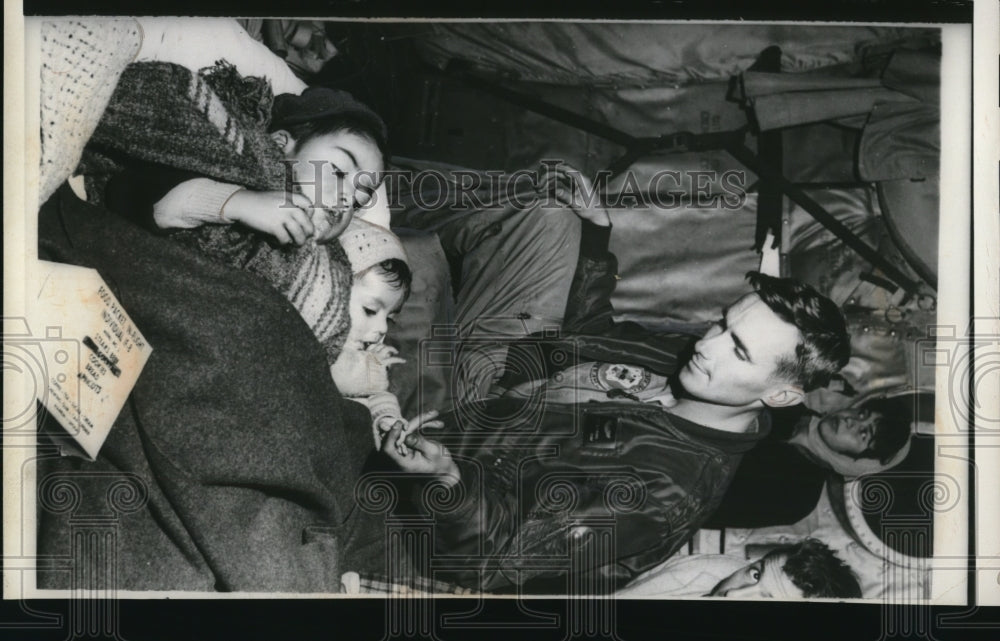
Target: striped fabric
316 279
209 123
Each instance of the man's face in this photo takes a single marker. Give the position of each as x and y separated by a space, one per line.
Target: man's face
849 432
763 579
734 363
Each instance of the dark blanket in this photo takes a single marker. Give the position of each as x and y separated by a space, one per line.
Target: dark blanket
245 448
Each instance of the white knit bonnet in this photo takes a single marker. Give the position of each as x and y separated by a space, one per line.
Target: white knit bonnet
367 244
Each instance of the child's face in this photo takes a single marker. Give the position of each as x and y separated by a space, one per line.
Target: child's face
326 169
374 303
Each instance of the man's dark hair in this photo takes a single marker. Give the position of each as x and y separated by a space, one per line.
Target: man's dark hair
892 428
825 346
816 570
395 272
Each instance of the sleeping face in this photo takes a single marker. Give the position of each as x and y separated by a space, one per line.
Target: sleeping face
336 171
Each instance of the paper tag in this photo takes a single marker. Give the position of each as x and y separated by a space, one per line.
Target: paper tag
93 352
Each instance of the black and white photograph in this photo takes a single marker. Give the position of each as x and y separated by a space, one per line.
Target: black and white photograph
608 312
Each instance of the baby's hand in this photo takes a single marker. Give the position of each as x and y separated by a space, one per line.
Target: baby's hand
284 216
425 420
385 354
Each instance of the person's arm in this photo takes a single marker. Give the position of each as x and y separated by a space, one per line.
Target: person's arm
161 198
203 201
134 192
588 307
485 520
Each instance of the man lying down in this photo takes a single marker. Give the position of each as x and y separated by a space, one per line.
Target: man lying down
601 464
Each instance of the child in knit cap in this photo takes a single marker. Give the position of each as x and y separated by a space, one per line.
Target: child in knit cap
381 285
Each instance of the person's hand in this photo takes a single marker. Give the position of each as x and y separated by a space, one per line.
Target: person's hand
330 223
422 456
281 215
425 420
575 191
386 354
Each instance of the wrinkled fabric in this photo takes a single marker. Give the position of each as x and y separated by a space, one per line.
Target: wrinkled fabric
901 140
535 490
798 108
664 280
641 54
693 575
916 73
429 308
755 84
856 208
912 212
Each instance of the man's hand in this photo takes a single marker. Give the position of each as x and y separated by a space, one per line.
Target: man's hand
569 186
423 455
284 216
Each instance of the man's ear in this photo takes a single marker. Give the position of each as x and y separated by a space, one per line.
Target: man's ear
784 396
284 140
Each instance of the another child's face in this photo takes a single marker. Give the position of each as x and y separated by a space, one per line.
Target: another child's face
849 431
374 303
328 170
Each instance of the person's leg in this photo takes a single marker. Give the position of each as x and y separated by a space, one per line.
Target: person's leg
517 268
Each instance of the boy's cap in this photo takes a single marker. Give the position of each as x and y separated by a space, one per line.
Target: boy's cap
322 102
367 245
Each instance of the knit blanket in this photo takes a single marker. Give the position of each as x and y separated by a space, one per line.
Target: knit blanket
214 123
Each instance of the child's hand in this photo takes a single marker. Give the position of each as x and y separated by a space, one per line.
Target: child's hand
425 420
574 190
419 454
385 354
330 223
284 216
